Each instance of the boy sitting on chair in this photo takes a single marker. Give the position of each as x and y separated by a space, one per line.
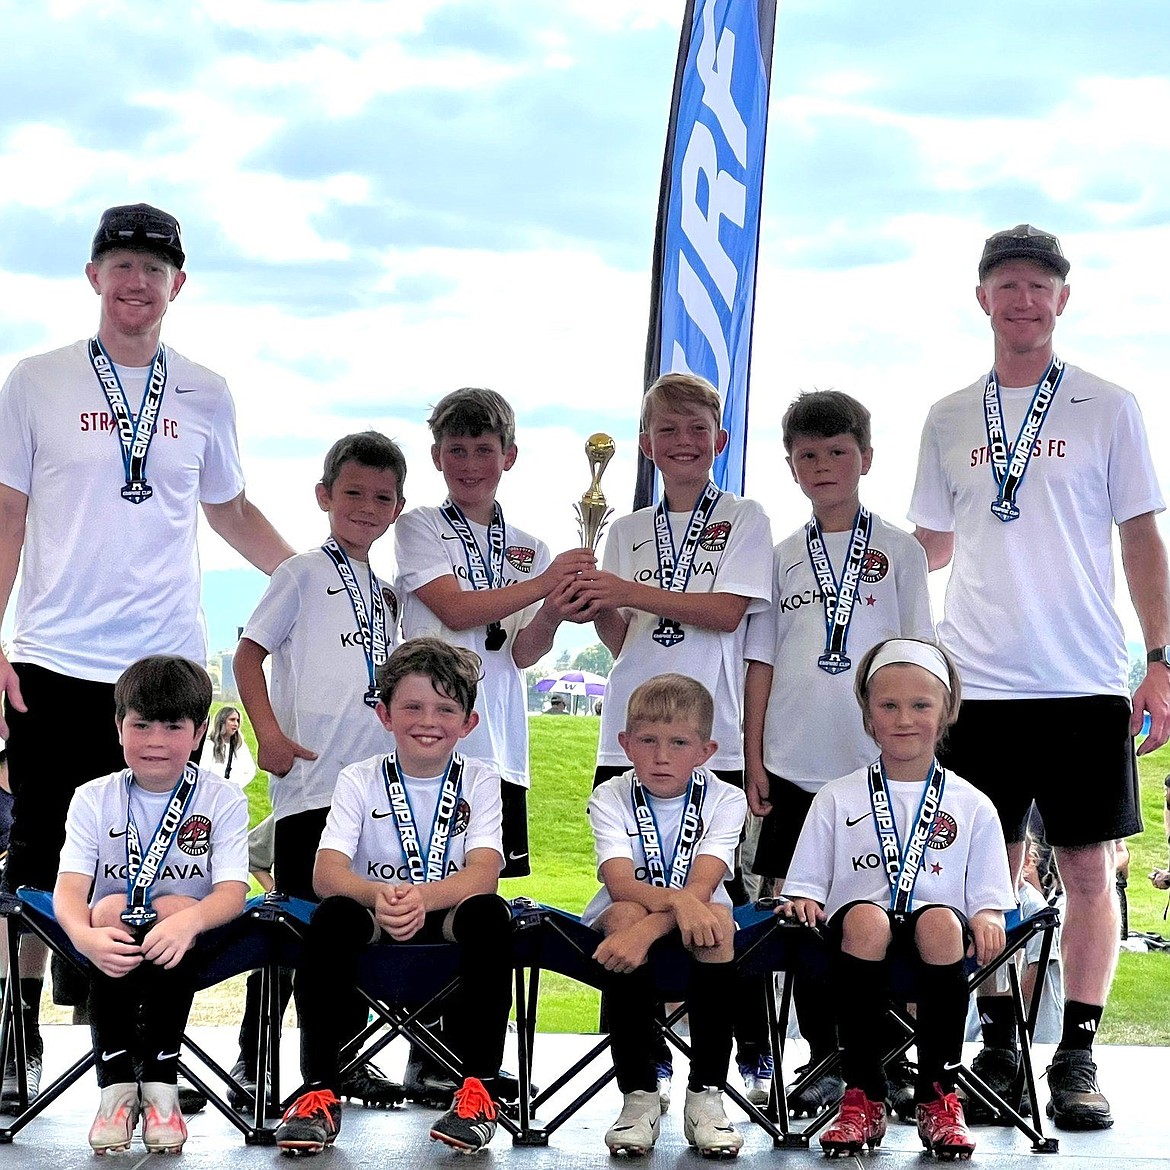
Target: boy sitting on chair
428 873
666 834
154 856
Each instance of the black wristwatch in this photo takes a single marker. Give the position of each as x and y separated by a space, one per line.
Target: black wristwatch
1159 654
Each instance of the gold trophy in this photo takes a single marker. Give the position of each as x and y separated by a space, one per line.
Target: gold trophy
592 511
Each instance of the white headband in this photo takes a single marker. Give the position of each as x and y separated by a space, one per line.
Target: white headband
916 653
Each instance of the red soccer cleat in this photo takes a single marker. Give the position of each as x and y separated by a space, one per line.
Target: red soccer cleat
860 1122
942 1127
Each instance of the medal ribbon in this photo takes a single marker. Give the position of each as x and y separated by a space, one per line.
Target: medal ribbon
838 600
688 833
142 868
135 433
482 575
674 571
435 866
903 866
372 627
1009 475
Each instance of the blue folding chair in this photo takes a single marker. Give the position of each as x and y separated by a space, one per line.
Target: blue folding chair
903 990
559 942
248 943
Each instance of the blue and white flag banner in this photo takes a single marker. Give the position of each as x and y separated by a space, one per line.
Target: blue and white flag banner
707 238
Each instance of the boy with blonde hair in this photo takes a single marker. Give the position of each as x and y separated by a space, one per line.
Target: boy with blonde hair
679 579
666 833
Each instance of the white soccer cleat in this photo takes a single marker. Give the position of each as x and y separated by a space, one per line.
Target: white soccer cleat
636 1129
163 1129
116 1120
706 1127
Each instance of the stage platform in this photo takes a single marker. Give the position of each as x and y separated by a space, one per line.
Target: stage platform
1134 1078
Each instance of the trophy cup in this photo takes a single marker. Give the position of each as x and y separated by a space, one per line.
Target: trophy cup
592 511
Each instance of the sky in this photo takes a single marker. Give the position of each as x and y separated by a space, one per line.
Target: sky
382 202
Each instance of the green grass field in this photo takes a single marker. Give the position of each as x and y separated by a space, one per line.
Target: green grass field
563 752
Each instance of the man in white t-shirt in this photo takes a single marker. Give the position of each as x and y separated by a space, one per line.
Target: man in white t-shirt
108 448
1031 620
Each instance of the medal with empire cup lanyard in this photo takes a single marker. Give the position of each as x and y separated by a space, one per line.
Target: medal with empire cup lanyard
142 868
371 624
903 864
1010 475
135 432
688 833
674 570
839 600
481 574
434 867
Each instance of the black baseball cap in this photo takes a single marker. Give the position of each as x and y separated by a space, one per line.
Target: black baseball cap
142 227
1023 242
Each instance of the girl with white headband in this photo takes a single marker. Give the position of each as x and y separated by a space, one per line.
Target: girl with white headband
901 857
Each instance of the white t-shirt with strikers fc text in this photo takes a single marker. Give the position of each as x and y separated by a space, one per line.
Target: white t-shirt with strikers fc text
734 555
105 581
615 830
209 847
427 548
1030 608
838 857
361 824
813 730
319 674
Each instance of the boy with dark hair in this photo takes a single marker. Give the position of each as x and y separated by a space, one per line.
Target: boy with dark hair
678 581
329 624
647 893
841 583
434 885
469 577
135 905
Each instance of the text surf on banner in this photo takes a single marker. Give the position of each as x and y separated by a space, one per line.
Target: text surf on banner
707 237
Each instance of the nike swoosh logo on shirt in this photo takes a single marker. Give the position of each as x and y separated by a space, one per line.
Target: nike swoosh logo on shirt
185 389
332 589
640 544
378 815
448 536
855 821
117 832
1089 399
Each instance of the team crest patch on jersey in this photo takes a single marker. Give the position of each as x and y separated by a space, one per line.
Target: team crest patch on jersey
194 836
462 818
943 832
714 537
390 601
520 556
874 566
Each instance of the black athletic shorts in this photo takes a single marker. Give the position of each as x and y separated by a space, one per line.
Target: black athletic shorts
514 806
1073 757
65 738
901 931
780 829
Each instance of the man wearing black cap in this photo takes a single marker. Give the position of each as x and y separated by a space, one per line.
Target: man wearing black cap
1021 477
108 448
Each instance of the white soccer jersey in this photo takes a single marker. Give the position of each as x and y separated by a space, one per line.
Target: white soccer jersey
319 676
426 548
734 555
1029 610
104 581
838 861
361 826
210 846
812 726
615 830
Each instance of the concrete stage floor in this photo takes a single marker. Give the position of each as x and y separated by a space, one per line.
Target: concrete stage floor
1133 1078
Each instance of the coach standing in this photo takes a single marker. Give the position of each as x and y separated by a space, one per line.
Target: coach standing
1021 477
106 448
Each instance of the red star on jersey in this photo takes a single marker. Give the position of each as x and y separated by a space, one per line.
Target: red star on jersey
871 600
935 867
